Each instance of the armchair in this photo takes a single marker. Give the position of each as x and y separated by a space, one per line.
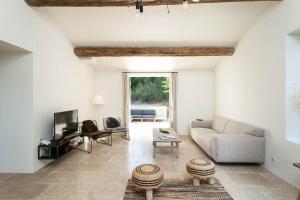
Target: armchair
115 126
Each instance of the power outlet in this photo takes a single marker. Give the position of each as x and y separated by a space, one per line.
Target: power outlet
273 158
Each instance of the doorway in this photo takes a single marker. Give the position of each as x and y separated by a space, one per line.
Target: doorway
150 102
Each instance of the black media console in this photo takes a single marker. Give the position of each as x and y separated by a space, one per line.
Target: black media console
56 149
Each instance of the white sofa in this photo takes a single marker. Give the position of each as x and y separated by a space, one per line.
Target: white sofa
229 141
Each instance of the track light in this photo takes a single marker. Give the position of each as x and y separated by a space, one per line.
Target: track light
185 3
141 8
137 6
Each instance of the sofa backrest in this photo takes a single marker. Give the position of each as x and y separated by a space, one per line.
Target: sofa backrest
137 112
219 123
235 127
149 112
228 126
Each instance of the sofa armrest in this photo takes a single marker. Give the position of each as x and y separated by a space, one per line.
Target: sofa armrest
201 124
238 148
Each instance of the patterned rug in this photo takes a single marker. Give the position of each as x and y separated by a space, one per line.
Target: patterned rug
180 189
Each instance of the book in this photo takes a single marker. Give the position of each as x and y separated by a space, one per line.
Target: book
167 137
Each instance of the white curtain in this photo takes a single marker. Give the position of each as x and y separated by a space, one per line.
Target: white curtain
172 101
126 99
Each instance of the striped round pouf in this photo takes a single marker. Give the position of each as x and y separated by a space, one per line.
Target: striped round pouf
148 177
201 169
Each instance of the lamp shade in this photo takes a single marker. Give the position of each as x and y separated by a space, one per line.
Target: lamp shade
98 100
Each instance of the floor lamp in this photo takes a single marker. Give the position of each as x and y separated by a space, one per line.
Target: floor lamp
98 101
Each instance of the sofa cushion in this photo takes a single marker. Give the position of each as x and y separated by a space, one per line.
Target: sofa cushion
137 116
202 141
235 127
112 122
197 131
205 142
149 112
136 112
219 124
201 124
149 116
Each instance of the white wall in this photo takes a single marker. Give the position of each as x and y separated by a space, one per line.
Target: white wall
194 99
16 24
59 80
16 112
108 83
250 86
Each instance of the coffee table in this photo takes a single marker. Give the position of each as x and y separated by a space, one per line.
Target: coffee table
171 142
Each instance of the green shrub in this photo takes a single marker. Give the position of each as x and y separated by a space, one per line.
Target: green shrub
150 90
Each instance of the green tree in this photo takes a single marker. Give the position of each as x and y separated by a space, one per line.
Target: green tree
149 90
166 85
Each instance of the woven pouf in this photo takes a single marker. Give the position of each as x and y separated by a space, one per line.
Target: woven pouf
201 169
147 177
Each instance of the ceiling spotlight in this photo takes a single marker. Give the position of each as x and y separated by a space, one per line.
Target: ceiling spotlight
185 3
137 6
141 8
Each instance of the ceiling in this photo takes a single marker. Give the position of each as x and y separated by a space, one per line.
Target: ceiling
157 64
216 24
9 48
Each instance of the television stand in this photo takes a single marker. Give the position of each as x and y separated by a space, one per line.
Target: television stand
54 150
71 136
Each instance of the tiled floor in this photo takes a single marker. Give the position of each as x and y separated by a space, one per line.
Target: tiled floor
103 174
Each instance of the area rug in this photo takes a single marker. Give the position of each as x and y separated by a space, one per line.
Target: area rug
180 189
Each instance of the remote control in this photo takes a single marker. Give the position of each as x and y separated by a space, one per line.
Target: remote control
45 142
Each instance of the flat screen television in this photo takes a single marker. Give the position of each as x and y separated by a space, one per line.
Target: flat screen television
65 123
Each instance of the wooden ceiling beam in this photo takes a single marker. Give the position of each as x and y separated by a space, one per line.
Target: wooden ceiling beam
111 3
152 51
